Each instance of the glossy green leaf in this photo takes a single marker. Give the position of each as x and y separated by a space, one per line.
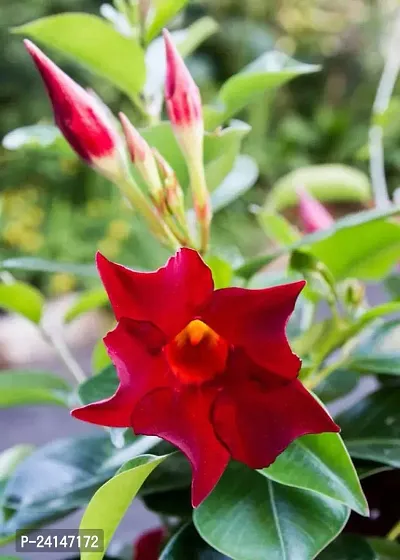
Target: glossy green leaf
34 136
348 547
221 271
43 265
320 463
374 253
249 517
186 543
100 358
270 70
220 150
10 459
352 225
327 182
162 12
337 385
99 387
23 299
381 450
384 549
379 364
111 501
87 301
240 179
32 387
94 43
61 477
371 427
277 228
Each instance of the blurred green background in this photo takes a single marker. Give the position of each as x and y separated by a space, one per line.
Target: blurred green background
52 206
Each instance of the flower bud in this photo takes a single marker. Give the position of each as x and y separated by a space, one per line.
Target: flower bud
313 214
172 190
142 156
82 119
185 112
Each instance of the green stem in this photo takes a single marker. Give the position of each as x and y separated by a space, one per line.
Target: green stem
394 533
60 346
201 203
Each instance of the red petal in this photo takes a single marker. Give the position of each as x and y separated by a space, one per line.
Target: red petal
148 545
257 422
169 298
141 368
183 418
256 320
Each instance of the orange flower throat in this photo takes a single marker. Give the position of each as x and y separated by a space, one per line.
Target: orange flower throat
197 354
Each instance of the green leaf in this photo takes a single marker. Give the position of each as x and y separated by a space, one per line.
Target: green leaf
388 364
337 385
100 358
270 70
348 547
249 517
11 458
34 136
221 271
383 450
61 477
320 463
99 387
277 228
371 427
32 387
43 265
162 12
367 251
385 550
186 543
327 182
22 299
94 43
87 301
220 150
240 179
110 503
352 224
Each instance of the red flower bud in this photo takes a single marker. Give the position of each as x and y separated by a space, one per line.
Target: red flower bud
313 215
80 117
181 93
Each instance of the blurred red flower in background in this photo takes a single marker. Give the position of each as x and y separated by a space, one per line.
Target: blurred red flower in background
210 371
148 545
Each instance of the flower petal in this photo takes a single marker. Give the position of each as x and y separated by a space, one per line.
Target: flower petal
256 320
257 422
183 418
135 351
169 298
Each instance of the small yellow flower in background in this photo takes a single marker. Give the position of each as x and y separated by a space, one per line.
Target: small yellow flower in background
31 242
61 283
119 230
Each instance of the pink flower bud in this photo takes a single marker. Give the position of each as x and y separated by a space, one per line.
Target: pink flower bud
313 214
181 93
142 156
81 118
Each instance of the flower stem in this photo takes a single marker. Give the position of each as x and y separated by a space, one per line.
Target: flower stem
394 533
201 203
64 353
383 95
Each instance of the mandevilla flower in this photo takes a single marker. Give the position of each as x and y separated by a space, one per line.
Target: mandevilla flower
313 214
148 545
209 371
81 118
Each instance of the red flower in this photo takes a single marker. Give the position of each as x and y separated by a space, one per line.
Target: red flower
79 115
209 371
313 214
148 545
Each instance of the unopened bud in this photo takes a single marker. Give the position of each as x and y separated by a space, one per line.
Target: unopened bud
172 190
142 156
313 214
81 118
